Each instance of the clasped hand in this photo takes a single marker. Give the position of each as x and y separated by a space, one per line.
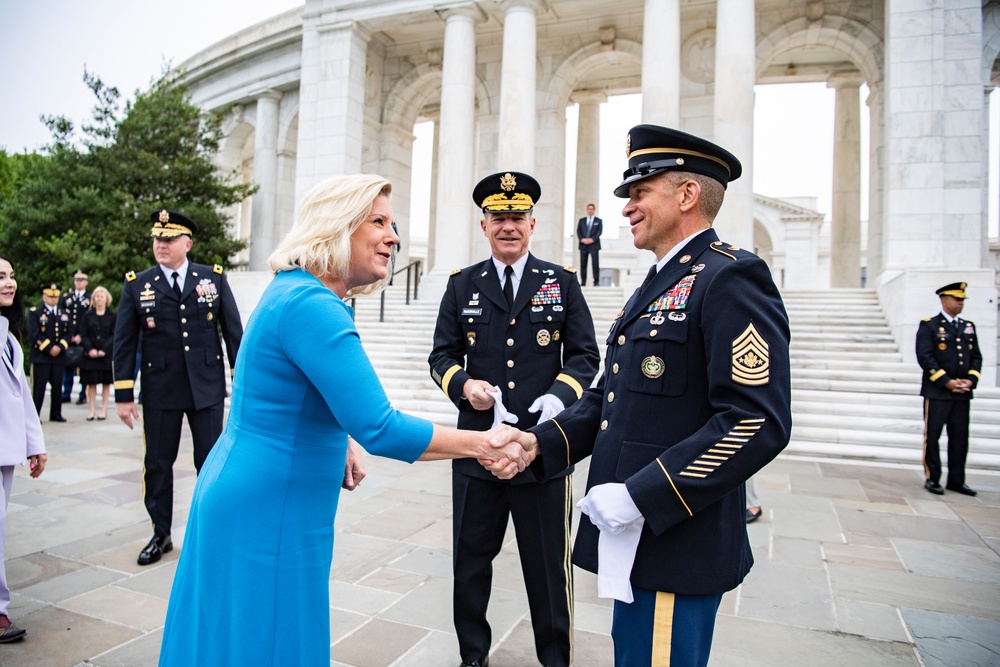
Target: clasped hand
511 451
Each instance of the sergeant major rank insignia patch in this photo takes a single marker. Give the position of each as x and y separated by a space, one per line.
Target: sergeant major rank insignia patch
750 358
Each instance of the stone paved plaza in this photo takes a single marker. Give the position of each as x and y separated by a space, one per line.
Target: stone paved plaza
856 565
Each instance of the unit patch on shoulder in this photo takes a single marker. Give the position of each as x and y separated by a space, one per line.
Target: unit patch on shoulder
217 268
130 276
750 358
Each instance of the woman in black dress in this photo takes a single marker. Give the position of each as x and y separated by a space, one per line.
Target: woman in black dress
98 333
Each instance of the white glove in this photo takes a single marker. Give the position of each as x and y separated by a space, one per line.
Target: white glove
615 556
549 404
500 414
610 507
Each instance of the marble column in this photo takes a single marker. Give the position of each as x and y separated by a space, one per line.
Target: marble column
332 103
735 60
588 149
661 57
432 209
934 168
876 180
517 87
264 213
452 231
845 227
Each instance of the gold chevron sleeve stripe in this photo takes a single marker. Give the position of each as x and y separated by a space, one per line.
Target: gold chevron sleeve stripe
573 384
758 420
976 373
936 374
674 487
691 474
449 374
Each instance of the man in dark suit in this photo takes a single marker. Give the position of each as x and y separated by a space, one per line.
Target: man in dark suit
75 303
179 308
694 400
950 360
588 230
517 330
49 330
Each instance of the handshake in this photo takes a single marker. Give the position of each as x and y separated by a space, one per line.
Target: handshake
507 450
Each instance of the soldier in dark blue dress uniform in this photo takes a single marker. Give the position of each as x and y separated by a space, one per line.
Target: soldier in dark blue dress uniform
521 325
180 308
950 360
75 303
49 331
695 398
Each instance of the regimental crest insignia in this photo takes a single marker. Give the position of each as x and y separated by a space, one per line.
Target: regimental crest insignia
508 182
653 367
751 365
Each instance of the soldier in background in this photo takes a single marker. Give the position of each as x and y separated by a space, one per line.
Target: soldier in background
75 303
949 356
180 308
514 340
49 329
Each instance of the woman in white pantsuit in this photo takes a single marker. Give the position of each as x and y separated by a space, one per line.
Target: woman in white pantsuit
22 432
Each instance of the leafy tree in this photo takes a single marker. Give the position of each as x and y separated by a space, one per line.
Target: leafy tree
86 205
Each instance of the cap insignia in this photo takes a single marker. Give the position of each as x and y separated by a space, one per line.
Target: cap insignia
508 182
628 145
164 216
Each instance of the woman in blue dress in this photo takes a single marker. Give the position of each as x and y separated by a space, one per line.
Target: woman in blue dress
252 584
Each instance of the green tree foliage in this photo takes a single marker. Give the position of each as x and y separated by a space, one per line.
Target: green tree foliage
85 203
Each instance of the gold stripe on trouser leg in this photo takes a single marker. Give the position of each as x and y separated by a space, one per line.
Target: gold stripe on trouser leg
663 628
567 557
927 409
142 427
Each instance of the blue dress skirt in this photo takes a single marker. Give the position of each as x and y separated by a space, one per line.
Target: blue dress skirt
252 584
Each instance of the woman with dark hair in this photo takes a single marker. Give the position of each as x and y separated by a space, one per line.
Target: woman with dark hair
22 432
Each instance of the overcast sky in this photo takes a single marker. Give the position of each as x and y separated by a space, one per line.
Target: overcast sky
45 45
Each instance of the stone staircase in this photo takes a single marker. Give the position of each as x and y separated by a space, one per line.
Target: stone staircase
853 396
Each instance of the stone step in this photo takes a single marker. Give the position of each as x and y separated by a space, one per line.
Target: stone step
911 409
914 456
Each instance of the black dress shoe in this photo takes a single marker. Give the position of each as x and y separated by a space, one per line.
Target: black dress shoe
751 516
963 489
477 663
934 487
57 419
153 551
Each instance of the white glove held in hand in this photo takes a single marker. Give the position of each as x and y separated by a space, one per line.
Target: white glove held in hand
610 507
549 404
615 557
500 414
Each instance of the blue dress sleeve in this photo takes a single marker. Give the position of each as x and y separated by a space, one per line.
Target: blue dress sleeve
319 337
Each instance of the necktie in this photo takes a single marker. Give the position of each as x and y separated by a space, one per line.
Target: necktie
649 277
590 226
177 287
508 285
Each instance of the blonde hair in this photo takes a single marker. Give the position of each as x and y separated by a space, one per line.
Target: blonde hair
327 216
101 288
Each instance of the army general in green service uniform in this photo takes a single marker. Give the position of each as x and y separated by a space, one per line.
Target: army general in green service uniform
518 327
179 308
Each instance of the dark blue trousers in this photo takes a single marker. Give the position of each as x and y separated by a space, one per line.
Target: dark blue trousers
663 629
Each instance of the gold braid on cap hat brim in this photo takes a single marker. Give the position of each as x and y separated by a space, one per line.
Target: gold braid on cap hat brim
51 292
170 229
679 151
957 293
500 202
